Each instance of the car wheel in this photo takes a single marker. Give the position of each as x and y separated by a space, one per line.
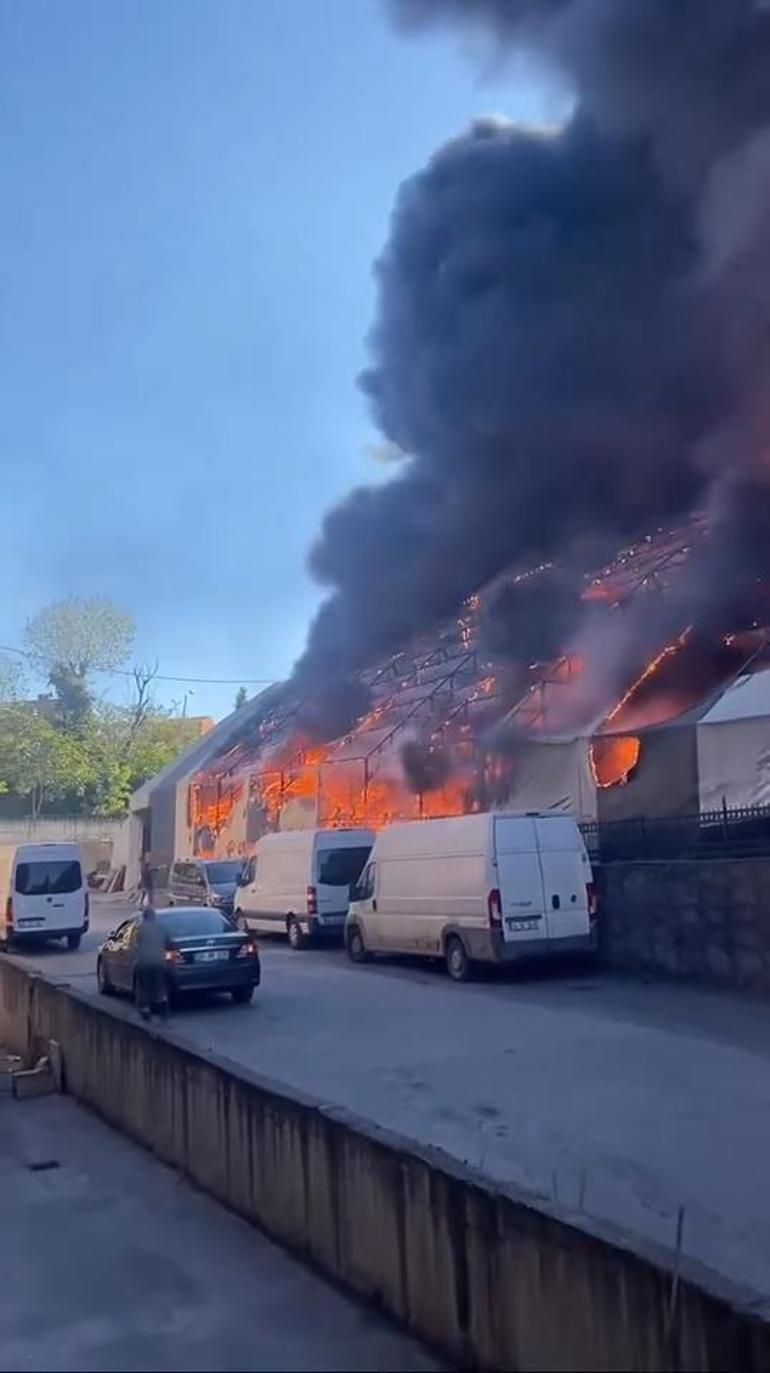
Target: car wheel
102 980
294 933
242 995
73 941
354 941
458 964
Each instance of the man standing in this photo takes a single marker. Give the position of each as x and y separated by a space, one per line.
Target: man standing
146 882
152 942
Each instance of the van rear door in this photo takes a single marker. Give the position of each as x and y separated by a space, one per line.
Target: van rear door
48 893
566 875
519 879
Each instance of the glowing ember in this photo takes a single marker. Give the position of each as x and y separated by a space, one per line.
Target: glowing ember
649 671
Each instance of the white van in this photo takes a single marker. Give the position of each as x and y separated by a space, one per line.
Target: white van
43 893
300 881
489 888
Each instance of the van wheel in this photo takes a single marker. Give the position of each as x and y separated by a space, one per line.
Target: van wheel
294 932
73 941
354 941
458 964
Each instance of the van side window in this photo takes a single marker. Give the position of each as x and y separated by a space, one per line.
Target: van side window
341 867
366 884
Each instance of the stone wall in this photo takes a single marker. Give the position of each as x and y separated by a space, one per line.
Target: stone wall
706 919
492 1277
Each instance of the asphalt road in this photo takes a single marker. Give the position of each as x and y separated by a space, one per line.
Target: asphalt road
620 1099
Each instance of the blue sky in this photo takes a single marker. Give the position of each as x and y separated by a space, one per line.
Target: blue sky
194 192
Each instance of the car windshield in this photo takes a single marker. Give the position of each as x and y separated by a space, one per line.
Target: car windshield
224 872
341 867
191 922
48 878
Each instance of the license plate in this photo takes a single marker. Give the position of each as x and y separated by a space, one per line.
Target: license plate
211 956
516 925
29 920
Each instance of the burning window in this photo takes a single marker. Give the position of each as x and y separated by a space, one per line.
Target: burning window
613 759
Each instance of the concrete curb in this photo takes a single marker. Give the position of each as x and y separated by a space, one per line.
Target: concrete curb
491 1276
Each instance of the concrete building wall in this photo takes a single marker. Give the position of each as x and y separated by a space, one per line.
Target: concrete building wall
706 918
163 825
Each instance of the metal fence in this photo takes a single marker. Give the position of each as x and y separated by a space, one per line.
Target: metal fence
726 833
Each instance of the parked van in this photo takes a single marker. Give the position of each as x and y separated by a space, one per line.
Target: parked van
479 888
43 893
300 881
204 882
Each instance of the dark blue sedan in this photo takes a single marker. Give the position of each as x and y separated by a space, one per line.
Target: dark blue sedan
205 953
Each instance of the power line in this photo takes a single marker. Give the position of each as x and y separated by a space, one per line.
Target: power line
159 677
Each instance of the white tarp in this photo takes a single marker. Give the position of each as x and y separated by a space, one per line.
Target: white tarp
734 746
734 763
747 699
554 776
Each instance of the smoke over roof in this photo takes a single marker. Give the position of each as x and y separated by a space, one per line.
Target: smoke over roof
571 339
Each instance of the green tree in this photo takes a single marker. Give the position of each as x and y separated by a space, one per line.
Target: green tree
126 748
37 760
72 638
241 697
11 680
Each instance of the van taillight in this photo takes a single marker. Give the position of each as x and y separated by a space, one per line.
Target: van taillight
312 901
9 911
495 908
593 901
87 906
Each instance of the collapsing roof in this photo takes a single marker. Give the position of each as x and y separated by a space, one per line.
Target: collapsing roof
451 727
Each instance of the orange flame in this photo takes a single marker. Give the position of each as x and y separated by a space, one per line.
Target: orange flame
614 758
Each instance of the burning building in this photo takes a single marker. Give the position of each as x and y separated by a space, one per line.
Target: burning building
450 726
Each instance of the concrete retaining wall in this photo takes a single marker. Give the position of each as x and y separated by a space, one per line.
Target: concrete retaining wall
97 837
50 831
707 918
476 1270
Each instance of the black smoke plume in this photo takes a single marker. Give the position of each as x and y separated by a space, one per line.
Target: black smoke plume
572 337
427 766
531 621
333 706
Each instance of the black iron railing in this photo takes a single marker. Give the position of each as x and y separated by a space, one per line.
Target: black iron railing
726 833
